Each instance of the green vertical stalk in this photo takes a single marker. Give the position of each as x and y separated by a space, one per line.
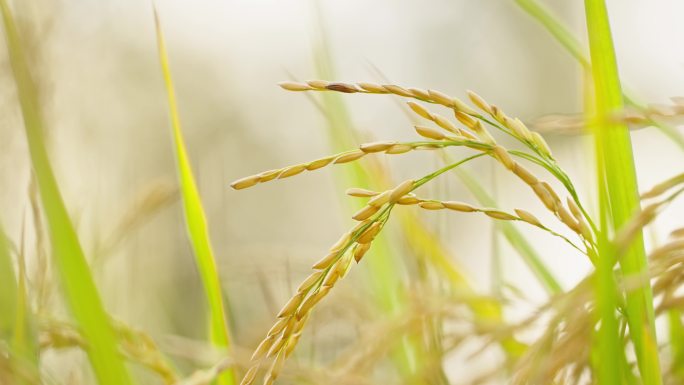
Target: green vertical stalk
619 197
195 220
77 282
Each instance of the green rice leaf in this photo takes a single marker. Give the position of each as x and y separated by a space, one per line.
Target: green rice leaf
619 201
195 220
77 282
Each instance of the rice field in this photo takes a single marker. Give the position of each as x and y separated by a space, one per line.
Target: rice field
465 193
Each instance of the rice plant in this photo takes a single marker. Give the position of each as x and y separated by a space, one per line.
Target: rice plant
607 328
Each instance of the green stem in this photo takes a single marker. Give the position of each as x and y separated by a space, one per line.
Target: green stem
619 201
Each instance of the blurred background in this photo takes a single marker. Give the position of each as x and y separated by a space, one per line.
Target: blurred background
110 142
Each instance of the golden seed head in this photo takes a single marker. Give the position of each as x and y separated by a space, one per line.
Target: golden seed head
420 110
459 206
376 146
342 87
361 192
365 213
441 98
397 90
373 88
479 102
528 217
318 84
432 205
294 86
399 149
245 182
402 189
498 114
350 157
429 132
292 171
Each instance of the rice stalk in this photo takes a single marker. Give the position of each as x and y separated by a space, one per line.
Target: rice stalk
77 282
196 223
619 200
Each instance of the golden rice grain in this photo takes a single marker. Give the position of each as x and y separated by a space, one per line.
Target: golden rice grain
441 98
326 261
361 250
429 133
399 149
292 171
374 88
292 86
376 146
361 192
263 348
250 376
397 90
365 213
432 205
420 110
479 102
319 163
352 156
528 217
402 189
525 174
503 156
496 214
380 200
318 83
309 281
408 200
291 305
370 233
245 182
459 206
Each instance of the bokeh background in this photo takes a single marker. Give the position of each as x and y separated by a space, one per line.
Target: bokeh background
109 139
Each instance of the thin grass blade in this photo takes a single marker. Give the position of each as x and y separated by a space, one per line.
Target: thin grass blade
195 220
77 282
619 200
